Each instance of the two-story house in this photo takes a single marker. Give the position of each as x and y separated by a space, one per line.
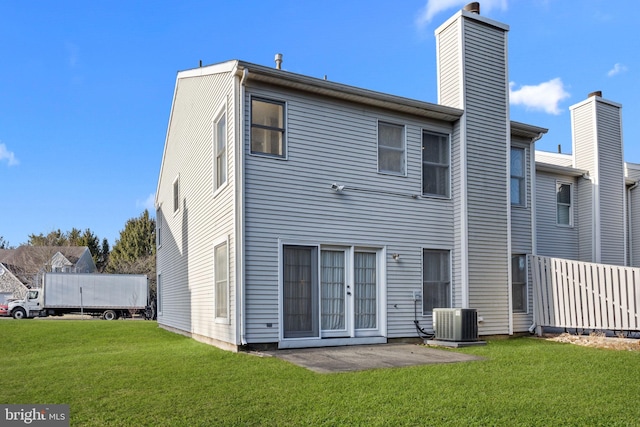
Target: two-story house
297 212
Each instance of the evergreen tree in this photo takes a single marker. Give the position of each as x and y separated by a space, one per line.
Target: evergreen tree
135 251
4 244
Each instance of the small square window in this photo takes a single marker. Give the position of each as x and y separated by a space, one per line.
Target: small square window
268 128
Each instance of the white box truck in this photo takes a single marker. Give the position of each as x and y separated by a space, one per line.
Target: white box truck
109 296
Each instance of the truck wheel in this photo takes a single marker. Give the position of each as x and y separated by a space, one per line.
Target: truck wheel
109 315
19 313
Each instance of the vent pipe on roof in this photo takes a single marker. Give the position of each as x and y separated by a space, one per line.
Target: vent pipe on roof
473 7
278 61
596 93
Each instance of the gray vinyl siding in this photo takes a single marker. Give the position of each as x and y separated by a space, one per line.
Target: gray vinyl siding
457 182
330 141
611 177
598 149
584 216
449 66
522 235
633 215
585 158
555 240
487 174
185 258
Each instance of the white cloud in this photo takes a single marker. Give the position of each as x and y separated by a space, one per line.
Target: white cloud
7 155
617 69
148 203
543 97
433 7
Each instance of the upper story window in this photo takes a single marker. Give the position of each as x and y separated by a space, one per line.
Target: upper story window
436 173
391 149
268 128
220 150
564 203
158 227
176 194
518 189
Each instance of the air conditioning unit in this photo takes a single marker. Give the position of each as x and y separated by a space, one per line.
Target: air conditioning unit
455 324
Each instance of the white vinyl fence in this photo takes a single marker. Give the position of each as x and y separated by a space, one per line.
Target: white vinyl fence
582 295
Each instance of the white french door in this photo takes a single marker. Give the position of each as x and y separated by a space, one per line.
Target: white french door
330 292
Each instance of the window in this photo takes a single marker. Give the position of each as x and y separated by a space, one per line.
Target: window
267 128
436 280
518 191
220 150
391 151
158 227
564 208
519 283
221 273
159 293
435 164
176 195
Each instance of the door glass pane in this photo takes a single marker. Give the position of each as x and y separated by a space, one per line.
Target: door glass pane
300 292
365 283
332 288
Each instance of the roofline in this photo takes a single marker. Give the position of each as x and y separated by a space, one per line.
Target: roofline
348 93
563 170
289 79
527 131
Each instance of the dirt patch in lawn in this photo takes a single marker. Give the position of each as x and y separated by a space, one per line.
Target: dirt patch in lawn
599 340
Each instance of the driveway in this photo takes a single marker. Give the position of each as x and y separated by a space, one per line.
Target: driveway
362 357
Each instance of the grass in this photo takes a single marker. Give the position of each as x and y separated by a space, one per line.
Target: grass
129 373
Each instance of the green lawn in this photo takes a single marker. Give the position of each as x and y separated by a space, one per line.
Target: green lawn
132 373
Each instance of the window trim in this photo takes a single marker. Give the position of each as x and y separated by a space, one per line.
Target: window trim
404 148
422 284
523 178
222 113
159 293
526 284
571 203
159 227
422 164
350 248
223 241
285 142
176 194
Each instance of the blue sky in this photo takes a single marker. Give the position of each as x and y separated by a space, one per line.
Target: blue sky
86 86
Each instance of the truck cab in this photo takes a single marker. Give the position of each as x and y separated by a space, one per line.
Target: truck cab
30 306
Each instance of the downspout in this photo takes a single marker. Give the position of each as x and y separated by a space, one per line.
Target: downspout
534 228
629 221
240 211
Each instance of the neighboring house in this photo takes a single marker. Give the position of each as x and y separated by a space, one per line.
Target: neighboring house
24 266
300 212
